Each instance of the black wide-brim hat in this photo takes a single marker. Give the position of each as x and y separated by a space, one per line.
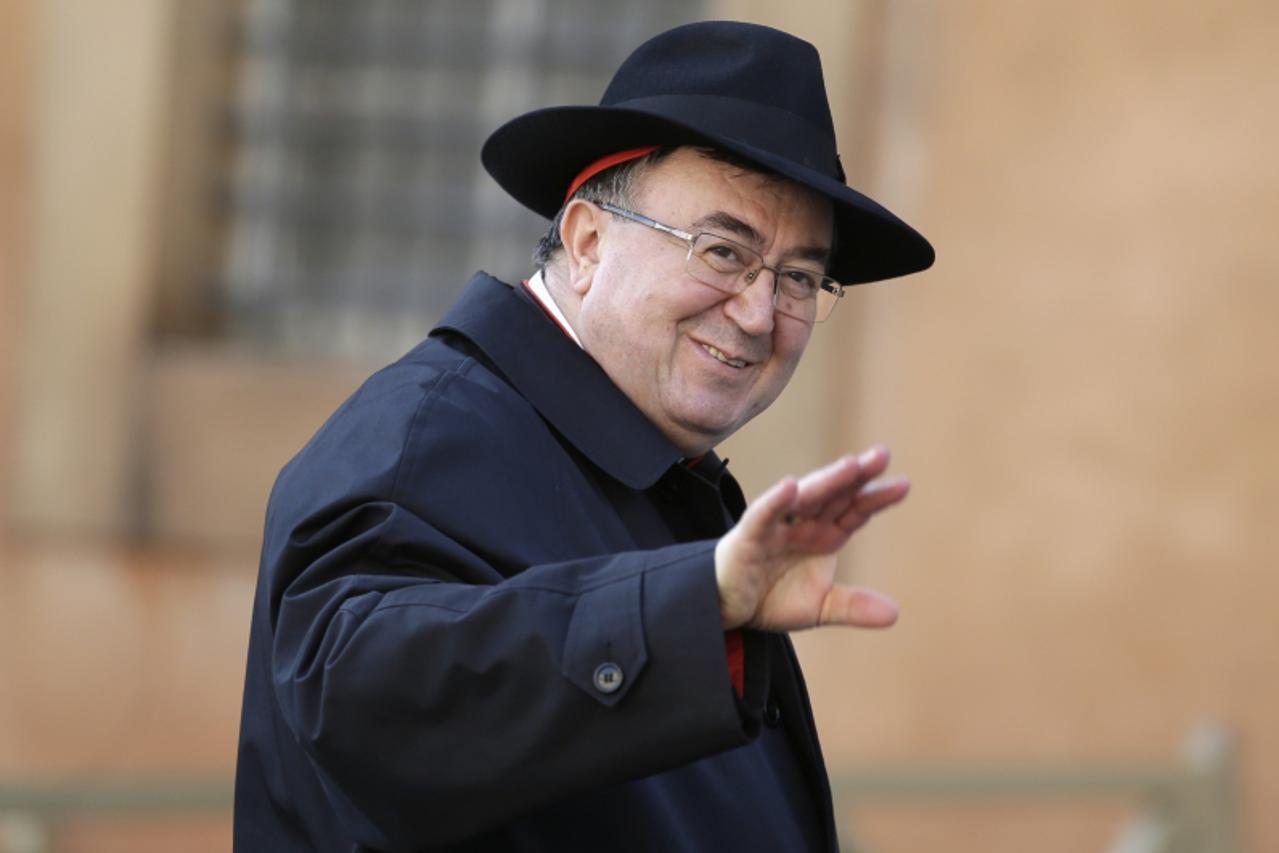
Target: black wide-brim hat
749 89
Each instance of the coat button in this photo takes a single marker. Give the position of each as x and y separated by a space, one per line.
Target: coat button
608 677
772 713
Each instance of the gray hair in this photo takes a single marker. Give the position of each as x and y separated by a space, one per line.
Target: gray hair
612 186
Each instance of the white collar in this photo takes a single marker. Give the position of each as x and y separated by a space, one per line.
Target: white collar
537 287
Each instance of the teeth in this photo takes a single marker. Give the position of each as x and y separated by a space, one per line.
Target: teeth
732 362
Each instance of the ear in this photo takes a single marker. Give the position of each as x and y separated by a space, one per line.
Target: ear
581 231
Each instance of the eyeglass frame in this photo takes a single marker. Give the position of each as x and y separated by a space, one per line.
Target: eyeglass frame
825 282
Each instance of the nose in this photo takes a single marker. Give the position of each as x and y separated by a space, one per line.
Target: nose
752 308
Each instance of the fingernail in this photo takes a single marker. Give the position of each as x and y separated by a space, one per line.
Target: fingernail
885 607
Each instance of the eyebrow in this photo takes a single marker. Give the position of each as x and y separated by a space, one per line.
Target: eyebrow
720 221
727 222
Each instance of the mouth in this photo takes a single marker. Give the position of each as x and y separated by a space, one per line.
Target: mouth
723 358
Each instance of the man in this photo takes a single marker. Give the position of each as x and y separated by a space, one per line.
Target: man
510 599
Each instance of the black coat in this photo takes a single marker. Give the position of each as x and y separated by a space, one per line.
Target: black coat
487 620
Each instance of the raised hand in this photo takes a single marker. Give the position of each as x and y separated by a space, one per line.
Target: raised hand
776 567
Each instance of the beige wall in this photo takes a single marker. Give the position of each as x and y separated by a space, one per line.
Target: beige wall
95 106
15 42
1084 391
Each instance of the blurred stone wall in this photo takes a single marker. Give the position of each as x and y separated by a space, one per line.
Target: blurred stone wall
1084 390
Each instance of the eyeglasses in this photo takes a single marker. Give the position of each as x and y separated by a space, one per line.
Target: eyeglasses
730 268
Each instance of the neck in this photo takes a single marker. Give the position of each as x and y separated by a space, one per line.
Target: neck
565 299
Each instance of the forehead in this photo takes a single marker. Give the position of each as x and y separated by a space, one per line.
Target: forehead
688 186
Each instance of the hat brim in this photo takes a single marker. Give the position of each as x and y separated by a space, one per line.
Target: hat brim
535 157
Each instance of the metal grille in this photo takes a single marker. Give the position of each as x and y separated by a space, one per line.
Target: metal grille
359 207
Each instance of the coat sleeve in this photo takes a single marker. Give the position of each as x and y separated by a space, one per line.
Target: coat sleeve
438 697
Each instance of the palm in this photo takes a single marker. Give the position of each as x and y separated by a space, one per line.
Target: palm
797 597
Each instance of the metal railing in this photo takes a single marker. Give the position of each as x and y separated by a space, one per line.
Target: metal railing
31 814
1186 806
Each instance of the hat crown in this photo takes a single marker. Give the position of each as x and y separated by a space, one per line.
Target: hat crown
728 59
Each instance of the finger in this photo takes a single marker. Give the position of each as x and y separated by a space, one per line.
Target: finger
840 480
835 509
873 498
772 507
840 476
857 607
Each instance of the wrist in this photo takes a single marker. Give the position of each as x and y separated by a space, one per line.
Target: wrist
732 613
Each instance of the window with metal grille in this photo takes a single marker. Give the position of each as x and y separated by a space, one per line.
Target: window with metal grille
359 208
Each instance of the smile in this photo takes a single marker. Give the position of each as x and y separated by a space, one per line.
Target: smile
723 357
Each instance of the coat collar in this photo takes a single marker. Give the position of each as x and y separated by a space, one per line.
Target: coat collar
560 380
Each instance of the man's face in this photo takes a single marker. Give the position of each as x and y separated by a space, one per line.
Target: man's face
699 363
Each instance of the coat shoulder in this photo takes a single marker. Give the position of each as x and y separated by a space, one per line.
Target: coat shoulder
435 433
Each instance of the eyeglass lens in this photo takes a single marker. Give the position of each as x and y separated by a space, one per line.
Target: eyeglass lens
731 267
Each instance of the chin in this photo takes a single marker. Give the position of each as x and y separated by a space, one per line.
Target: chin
699 436
706 420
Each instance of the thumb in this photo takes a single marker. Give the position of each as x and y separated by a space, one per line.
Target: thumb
857 607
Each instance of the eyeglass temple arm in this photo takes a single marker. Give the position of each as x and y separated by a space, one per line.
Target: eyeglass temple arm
644 220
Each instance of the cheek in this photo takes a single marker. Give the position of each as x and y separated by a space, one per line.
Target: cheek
787 351
789 342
